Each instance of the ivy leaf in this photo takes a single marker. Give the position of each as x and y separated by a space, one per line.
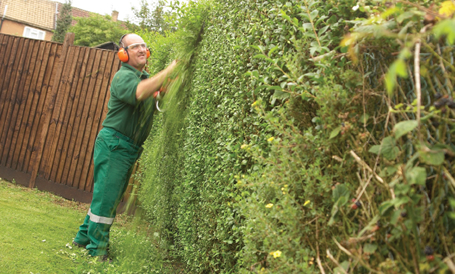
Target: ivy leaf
433 157
343 268
364 118
397 68
375 149
446 27
397 202
416 176
390 80
395 217
335 132
340 191
388 171
389 149
370 248
401 68
404 127
370 225
385 206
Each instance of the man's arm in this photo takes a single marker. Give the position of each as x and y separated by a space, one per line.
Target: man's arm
147 87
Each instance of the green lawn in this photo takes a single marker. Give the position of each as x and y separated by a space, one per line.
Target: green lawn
37 229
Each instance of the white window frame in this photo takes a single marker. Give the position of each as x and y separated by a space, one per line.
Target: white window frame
34 33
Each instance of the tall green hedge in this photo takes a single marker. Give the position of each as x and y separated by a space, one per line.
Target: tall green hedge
291 140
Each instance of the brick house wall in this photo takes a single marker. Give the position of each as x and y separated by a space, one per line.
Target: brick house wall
37 14
31 15
75 12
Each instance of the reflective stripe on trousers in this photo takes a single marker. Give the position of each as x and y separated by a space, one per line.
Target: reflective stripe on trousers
99 219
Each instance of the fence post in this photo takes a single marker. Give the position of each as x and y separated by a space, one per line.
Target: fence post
49 107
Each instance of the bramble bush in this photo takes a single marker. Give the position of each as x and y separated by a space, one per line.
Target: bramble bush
305 136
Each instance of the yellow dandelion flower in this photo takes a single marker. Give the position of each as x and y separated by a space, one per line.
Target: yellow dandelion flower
447 8
270 139
306 202
269 206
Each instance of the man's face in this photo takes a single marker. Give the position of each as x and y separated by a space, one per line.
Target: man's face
137 52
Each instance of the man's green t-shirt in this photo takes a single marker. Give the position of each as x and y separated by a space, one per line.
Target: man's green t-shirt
126 114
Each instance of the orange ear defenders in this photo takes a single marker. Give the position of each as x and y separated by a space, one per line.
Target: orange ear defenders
123 53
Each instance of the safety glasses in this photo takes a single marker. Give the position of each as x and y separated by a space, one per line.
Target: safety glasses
137 46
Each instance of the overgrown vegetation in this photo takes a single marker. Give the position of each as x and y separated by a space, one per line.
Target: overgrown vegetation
305 136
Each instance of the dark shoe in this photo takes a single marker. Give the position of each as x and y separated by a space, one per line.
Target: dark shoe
104 258
78 245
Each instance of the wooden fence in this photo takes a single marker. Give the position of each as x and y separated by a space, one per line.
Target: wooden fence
53 99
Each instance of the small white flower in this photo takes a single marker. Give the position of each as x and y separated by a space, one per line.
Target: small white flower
43 241
354 8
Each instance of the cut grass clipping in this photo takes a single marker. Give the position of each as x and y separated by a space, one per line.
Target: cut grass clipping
38 228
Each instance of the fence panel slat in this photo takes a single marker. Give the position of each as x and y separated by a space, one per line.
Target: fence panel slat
30 109
59 137
115 68
69 118
82 117
52 101
97 121
7 70
13 87
54 126
48 71
76 113
87 150
19 129
7 47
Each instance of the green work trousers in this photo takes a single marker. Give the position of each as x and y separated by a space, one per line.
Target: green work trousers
114 156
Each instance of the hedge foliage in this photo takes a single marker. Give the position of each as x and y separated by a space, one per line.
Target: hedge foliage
296 137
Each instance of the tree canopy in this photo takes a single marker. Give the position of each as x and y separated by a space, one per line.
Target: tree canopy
96 29
150 18
63 22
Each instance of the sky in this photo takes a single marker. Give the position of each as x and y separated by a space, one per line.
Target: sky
106 7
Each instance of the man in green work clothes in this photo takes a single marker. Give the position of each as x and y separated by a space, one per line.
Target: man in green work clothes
118 144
